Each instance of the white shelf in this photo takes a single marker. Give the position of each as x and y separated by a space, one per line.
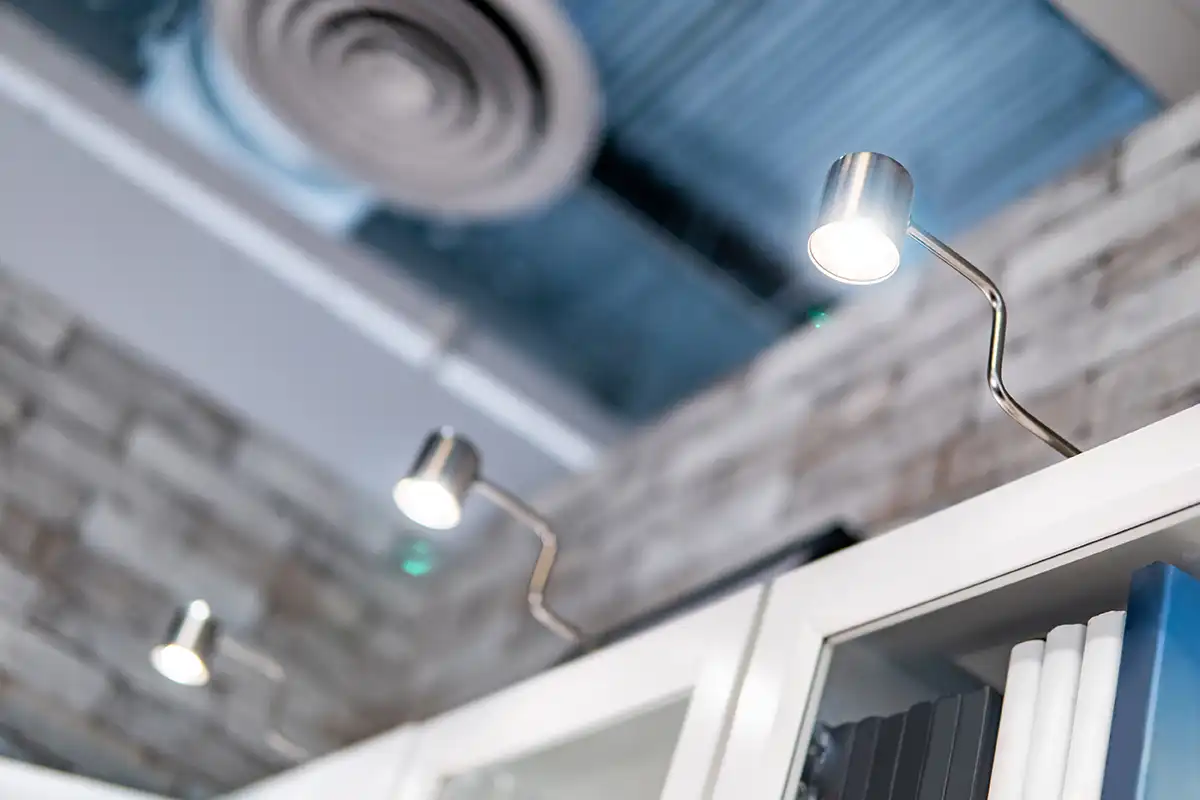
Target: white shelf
959 588
927 651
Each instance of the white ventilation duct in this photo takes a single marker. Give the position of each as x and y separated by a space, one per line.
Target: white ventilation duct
194 88
455 109
450 107
45 83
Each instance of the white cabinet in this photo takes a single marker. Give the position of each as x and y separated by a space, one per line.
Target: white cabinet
943 599
20 781
721 703
369 770
643 719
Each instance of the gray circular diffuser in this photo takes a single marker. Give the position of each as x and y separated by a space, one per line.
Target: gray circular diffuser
461 108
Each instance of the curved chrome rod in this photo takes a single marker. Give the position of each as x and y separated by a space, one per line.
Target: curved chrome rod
996 351
274 672
520 511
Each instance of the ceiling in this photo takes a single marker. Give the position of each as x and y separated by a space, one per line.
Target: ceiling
545 337
658 275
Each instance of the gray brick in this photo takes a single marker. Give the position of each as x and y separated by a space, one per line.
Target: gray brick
747 431
33 659
86 745
150 722
1066 197
893 436
962 352
999 450
755 503
1123 218
225 762
18 590
1152 258
1123 327
76 578
273 467
38 488
174 732
856 325
194 476
301 591
118 375
161 558
311 717
911 491
988 245
395 594
1147 385
37 323
1161 143
62 393
12 406
27 540
127 653
229 550
86 461
390 642
330 658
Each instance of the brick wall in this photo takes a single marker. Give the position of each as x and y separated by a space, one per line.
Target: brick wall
881 415
122 493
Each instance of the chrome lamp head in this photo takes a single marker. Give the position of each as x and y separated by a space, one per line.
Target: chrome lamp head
434 490
863 219
432 494
185 653
863 222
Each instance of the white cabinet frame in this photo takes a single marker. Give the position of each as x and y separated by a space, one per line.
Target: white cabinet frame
369 770
702 655
1131 481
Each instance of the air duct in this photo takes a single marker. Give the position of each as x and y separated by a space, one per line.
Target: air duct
461 110
193 87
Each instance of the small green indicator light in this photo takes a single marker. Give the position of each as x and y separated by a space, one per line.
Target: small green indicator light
417 566
417 558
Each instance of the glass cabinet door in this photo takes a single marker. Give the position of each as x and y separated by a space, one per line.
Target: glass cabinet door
628 759
925 618
643 719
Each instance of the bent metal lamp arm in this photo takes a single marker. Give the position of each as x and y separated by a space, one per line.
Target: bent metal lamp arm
521 512
194 638
995 379
276 675
865 213
447 468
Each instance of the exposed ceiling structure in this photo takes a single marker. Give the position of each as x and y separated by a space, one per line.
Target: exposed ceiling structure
677 260
672 260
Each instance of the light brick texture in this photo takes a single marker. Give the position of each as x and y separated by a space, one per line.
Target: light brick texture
124 491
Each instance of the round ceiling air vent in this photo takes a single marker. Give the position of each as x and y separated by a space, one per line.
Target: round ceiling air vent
459 108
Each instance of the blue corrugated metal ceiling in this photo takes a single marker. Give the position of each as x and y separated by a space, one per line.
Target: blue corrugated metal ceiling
747 103
743 105
739 106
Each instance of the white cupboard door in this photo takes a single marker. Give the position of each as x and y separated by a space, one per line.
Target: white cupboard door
644 719
815 658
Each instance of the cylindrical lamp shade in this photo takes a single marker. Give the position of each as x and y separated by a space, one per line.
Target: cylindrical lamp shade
863 220
433 492
188 647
